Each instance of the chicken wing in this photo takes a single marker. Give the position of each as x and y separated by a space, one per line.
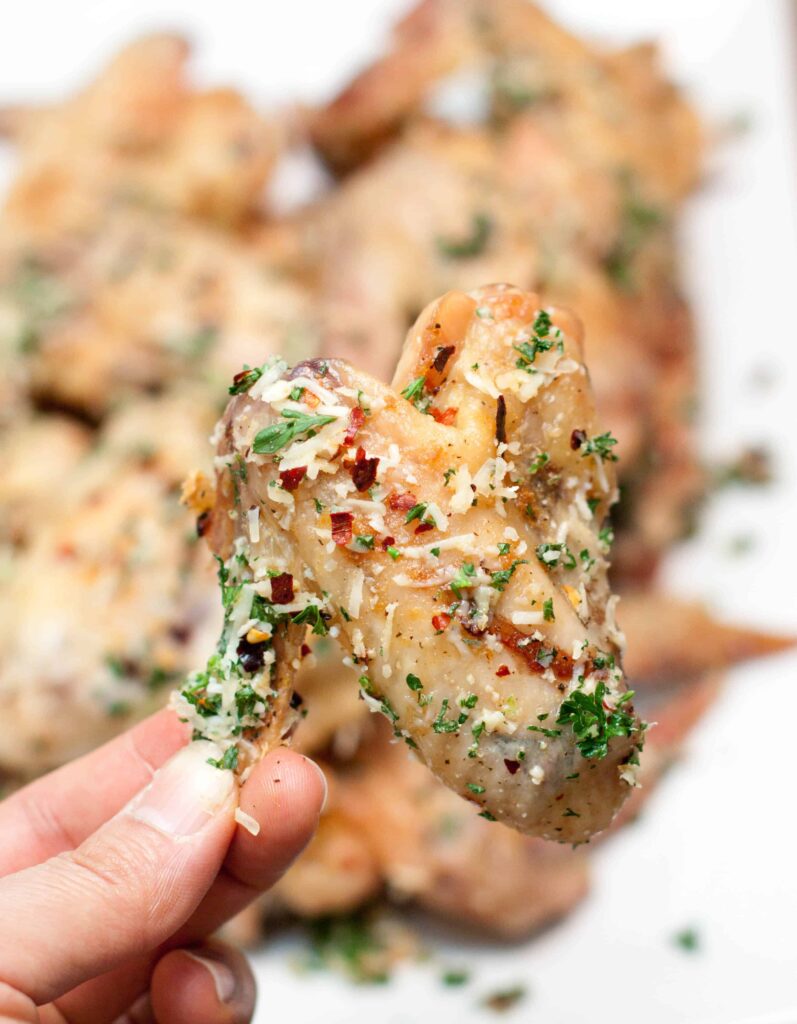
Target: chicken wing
490 643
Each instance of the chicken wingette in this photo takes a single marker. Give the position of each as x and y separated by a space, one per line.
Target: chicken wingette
450 530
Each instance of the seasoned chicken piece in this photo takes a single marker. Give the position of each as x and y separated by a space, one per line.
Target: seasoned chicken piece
490 643
615 107
434 852
113 598
38 455
141 134
148 300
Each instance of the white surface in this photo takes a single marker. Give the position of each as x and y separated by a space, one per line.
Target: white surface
716 848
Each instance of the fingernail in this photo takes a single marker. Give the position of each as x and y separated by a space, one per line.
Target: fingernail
186 792
324 782
223 977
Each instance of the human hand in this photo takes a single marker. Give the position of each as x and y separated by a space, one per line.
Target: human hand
115 868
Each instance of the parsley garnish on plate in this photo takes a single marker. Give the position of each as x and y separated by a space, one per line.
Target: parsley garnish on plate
687 939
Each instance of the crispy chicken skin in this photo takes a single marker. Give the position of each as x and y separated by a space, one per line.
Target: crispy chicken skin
451 526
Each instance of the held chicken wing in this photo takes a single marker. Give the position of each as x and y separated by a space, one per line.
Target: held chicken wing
449 529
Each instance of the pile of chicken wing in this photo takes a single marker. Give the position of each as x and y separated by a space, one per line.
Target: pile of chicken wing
142 266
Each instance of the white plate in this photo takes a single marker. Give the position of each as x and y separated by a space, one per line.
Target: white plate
716 848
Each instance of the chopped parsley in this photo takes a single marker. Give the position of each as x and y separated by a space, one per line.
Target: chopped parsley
501 577
350 943
414 682
443 724
503 549
586 559
365 540
474 788
311 616
455 977
592 724
416 512
550 733
472 244
229 591
687 939
539 461
547 610
601 446
639 221
279 435
543 339
245 379
463 578
559 555
414 390
228 760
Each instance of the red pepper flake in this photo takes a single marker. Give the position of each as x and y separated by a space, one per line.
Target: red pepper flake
402 501
503 670
356 421
511 766
442 357
577 438
341 527
363 472
282 588
387 542
424 527
291 478
500 420
441 622
445 417
305 649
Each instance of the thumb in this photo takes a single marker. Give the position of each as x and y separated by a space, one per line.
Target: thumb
126 888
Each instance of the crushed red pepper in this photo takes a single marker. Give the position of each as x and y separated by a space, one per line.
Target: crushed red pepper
341 527
291 478
282 588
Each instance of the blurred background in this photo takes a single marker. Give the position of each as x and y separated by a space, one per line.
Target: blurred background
178 204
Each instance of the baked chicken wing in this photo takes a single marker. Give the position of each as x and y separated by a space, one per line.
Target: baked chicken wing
449 530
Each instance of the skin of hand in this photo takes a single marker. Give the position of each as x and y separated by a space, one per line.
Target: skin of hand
116 868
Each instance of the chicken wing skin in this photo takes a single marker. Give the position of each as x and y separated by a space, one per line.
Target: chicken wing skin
452 532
